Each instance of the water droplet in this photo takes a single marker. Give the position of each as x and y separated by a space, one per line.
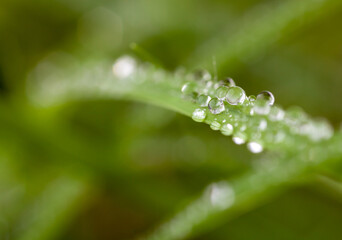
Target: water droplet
261 107
216 106
255 147
266 96
203 100
262 125
221 92
276 114
320 129
201 74
189 88
239 138
228 82
124 67
199 115
252 98
215 125
227 129
236 96
221 195
295 116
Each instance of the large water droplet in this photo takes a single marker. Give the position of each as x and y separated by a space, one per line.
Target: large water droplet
199 115
216 106
227 129
221 92
124 67
203 100
215 125
255 147
236 96
266 96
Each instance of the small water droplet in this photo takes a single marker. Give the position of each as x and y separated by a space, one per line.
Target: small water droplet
189 88
199 115
203 100
228 82
124 67
201 74
227 129
236 96
276 114
255 147
215 125
262 125
221 92
252 98
221 195
216 106
266 96
239 138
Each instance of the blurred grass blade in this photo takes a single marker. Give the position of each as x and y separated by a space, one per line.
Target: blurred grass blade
52 210
260 29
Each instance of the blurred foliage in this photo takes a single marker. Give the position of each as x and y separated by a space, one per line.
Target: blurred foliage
105 169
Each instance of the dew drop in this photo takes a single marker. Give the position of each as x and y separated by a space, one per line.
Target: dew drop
203 100
199 115
276 114
239 138
188 88
221 195
236 96
255 147
216 106
227 129
201 74
215 125
261 107
228 82
124 67
266 96
252 98
221 92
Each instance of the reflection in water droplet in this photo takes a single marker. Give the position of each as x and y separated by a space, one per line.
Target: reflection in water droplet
215 125
266 96
221 195
221 92
227 129
216 106
124 67
203 100
199 115
236 96
255 147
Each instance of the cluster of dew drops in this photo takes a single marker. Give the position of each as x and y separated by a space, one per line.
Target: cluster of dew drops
252 119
